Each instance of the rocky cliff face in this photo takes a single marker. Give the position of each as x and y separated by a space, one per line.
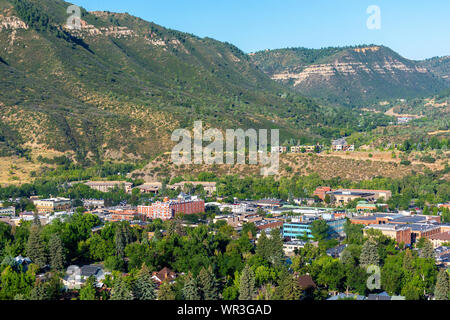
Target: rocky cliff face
350 75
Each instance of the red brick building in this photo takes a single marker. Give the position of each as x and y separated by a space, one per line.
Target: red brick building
169 208
321 192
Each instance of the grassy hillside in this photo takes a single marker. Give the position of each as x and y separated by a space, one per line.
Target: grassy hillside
120 86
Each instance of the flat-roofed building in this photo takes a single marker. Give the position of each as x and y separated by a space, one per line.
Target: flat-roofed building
150 187
169 208
7 211
399 233
107 186
44 206
439 239
343 196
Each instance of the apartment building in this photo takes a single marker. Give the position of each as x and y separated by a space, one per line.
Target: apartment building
106 186
44 206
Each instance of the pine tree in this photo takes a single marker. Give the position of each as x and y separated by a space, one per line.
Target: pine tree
35 247
190 288
166 291
144 287
408 261
57 258
369 254
247 284
121 291
87 292
442 289
427 250
208 284
38 292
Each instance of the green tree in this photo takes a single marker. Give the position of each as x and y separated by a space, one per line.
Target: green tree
121 290
190 288
369 254
208 284
35 247
144 287
427 249
57 258
87 292
166 291
319 230
442 289
247 284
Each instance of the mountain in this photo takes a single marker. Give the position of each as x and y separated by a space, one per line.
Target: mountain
117 88
354 75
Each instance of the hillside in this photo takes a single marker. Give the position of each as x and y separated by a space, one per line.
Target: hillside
118 87
353 76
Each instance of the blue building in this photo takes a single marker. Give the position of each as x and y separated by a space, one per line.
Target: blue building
298 228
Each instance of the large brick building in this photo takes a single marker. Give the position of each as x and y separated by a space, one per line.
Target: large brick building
44 206
167 209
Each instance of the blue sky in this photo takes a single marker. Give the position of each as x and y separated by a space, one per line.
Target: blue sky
416 29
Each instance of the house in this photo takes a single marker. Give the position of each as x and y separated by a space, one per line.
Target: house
336 251
165 274
21 262
341 145
77 276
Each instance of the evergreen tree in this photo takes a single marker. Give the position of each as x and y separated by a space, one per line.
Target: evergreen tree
442 289
35 247
121 291
208 284
166 291
190 288
427 250
369 254
247 284
408 261
144 287
87 292
57 258
38 292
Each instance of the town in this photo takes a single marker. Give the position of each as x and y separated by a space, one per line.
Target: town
263 248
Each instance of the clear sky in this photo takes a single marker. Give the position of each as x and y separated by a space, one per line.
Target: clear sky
416 29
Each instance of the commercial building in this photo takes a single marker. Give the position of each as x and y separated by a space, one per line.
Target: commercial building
44 206
7 211
439 239
301 226
167 209
107 186
399 233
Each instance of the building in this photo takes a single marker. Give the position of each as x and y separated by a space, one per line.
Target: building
300 227
93 203
342 145
8 211
439 239
107 186
399 233
299 149
122 215
290 246
167 209
150 187
279 149
321 192
343 196
165 274
365 206
44 206
77 276
209 187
